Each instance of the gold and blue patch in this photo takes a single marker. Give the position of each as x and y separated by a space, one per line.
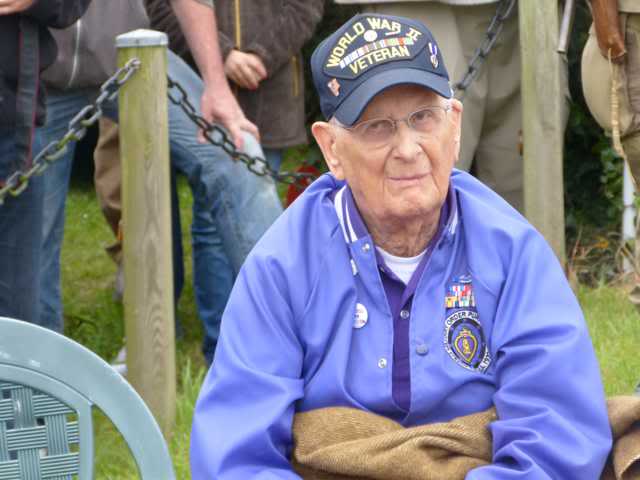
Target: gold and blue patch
464 338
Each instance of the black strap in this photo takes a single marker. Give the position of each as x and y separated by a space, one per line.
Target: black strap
27 90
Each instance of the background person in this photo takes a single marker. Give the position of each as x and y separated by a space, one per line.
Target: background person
260 42
611 57
613 49
26 48
397 286
107 180
241 204
267 75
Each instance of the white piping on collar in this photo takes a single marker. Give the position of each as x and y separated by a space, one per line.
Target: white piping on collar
342 210
340 202
352 233
337 204
454 222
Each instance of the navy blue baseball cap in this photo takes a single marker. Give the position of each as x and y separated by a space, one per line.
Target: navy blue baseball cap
369 54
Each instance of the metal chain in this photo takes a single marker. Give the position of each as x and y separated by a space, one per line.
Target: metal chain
503 12
219 138
84 119
90 114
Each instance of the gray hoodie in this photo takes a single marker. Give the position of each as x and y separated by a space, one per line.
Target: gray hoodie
86 50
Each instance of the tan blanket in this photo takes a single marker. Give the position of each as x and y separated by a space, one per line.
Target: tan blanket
344 443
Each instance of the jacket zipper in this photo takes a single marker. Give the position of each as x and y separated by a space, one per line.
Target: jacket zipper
76 54
238 46
296 76
238 26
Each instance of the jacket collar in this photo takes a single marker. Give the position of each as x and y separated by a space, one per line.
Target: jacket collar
354 228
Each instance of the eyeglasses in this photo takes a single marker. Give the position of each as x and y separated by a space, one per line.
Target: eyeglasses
379 131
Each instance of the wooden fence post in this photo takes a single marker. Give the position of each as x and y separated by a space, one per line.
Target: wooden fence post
543 124
146 217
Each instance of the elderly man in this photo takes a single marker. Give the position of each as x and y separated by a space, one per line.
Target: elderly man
492 124
400 288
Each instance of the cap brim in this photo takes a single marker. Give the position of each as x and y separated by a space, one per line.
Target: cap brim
353 106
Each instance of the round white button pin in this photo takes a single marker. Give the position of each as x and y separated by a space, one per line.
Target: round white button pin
362 316
370 35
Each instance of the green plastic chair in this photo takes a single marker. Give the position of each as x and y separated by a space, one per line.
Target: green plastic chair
48 386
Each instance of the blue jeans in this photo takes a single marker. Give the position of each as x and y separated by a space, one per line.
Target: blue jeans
20 227
241 205
273 156
210 262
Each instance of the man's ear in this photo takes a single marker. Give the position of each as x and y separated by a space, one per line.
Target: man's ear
326 138
456 113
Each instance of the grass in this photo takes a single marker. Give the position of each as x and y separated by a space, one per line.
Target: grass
95 319
113 459
614 326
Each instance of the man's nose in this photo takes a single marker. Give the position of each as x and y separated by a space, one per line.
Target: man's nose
406 142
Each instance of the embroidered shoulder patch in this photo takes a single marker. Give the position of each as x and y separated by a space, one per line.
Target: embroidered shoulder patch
464 341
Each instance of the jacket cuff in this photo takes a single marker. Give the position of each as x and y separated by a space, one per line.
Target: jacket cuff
226 45
264 54
208 3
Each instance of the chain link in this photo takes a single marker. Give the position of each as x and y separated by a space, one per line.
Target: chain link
503 12
219 138
84 119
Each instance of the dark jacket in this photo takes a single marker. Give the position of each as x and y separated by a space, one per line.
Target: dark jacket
275 30
13 29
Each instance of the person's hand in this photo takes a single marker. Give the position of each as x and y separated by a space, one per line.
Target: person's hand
245 69
8 7
606 22
220 106
612 44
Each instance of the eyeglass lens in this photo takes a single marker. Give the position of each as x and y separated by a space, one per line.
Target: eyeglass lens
426 120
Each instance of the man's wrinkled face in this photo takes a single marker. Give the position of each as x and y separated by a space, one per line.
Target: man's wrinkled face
407 176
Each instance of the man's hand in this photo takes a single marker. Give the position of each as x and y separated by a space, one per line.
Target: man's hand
245 69
8 7
220 106
607 25
198 22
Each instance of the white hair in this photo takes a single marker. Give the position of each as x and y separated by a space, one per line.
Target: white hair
334 121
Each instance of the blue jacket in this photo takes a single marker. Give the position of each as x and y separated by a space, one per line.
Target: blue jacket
289 344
